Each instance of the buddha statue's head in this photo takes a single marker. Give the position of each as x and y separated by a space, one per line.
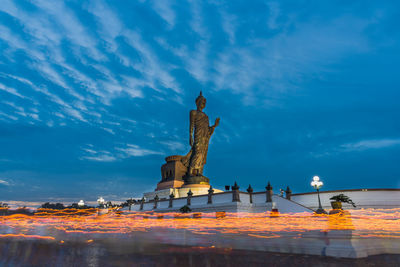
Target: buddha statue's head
201 102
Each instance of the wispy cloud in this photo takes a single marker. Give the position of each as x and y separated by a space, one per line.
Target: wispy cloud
173 145
136 151
118 153
165 11
151 67
74 30
100 157
10 90
273 15
92 155
4 182
369 144
354 147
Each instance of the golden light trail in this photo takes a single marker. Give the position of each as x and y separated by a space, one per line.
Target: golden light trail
362 223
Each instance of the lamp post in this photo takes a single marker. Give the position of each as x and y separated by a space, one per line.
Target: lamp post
101 202
81 204
317 184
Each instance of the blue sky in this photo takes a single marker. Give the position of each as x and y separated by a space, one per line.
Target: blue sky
94 94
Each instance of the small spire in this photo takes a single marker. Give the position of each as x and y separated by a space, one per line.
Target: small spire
211 190
269 187
235 186
250 189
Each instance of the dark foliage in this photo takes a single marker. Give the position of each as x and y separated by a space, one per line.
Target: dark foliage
56 206
343 198
185 209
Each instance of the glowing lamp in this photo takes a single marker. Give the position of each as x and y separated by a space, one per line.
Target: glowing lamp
81 203
101 200
317 184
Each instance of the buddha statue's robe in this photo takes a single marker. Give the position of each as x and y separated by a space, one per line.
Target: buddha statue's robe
197 156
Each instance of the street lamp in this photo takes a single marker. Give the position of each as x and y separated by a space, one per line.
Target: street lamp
317 184
81 204
101 202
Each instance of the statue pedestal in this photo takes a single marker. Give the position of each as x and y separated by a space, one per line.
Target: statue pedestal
169 184
172 172
196 181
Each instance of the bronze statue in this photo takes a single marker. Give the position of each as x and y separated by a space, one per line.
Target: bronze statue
200 133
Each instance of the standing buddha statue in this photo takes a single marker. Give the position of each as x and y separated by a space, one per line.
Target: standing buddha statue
200 133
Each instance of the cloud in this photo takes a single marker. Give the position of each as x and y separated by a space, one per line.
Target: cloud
369 144
197 19
74 30
152 69
14 43
111 26
8 117
119 153
229 24
359 146
111 131
100 157
136 151
93 155
274 11
4 182
165 11
150 66
269 67
173 145
10 90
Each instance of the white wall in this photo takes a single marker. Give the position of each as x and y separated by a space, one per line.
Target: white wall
199 200
260 198
179 203
222 198
388 199
223 202
245 198
287 206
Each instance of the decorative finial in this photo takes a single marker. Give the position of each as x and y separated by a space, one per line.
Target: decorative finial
211 190
235 186
269 187
250 189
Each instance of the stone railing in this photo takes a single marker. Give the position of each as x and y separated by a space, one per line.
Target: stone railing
233 200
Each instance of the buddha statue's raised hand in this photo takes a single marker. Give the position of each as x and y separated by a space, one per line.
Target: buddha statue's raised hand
216 122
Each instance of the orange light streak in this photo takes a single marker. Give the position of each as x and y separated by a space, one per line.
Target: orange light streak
26 236
364 223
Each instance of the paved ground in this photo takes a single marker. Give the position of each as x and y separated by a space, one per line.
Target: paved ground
43 253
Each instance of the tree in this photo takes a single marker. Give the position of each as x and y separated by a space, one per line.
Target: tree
185 209
57 206
130 202
343 198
